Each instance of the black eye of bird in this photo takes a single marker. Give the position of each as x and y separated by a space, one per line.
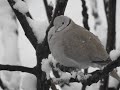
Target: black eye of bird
62 22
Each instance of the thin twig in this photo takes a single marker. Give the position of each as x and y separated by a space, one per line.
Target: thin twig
48 10
85 15
17 68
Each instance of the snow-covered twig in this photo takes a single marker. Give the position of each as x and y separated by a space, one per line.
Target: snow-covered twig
25 25
99 74
94 76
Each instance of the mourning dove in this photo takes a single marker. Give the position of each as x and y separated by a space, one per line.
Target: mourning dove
74 46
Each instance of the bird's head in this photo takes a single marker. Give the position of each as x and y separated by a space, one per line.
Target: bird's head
59 24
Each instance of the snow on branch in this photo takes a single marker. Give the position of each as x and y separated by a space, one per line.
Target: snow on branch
69 74
20 6
23 21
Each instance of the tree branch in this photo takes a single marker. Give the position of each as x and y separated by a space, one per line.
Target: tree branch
106 8
85 15
17 68
42 50
111 25
25 25
48 10
110 10
99 74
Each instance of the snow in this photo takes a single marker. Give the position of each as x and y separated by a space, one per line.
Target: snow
65 75
26 51
73 86
114 54
113 82
94 86
64 78
21 6
39 28
8 41
73 74
46 65
28 82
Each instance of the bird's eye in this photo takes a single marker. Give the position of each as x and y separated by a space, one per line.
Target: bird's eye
62 22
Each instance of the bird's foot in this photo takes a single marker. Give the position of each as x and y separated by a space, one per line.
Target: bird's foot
81 76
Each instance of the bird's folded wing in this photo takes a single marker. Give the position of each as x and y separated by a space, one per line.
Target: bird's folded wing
81 45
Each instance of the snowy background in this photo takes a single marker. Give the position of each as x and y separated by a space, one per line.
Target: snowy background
25 53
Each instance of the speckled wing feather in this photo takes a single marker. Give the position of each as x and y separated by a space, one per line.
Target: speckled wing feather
83 46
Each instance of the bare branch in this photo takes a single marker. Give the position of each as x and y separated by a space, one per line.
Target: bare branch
106 8
17 68
85 15
48 9
111 25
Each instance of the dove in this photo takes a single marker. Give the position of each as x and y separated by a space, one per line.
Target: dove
74 46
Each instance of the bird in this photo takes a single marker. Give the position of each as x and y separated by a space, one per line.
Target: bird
74 46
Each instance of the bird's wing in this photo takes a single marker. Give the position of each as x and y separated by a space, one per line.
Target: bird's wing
83 46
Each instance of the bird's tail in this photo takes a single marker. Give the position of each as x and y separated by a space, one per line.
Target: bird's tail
115 75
